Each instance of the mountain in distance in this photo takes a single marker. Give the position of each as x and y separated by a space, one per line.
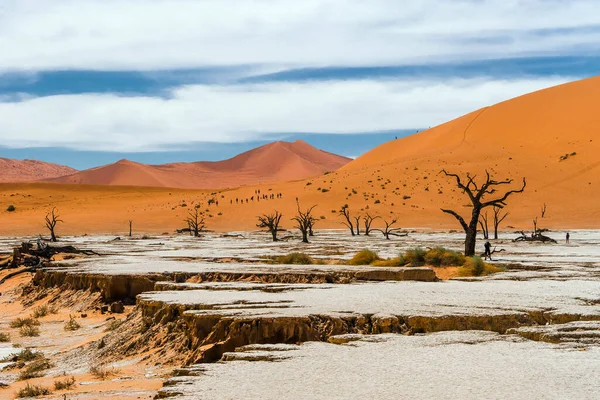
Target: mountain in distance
273 162
30 170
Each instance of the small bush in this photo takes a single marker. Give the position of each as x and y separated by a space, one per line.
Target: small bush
102 373
4 337
10 208
112 325
391 262
71 325
20 322
475 266
35 369
364 257
33 391
440 256
28 355
295 258
64 384
413 257
29 330
40 311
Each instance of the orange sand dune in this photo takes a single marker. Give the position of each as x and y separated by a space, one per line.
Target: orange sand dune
525 137
30 170
278 161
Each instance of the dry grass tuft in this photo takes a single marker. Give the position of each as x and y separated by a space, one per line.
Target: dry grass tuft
29 330
64 384
72 324
364 257
33 391
102 373
475 266
21 322
4 337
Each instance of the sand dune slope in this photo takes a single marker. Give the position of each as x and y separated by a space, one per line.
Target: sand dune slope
30 170
550 137
278 161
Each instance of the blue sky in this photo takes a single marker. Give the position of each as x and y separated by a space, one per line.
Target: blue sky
88 82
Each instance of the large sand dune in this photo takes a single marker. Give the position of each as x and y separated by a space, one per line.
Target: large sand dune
30 170
278 161
529 136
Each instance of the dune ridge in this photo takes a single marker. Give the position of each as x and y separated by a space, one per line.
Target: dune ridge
277 161
30 170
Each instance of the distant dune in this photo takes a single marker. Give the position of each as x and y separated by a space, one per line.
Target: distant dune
278 161
550 137
30 170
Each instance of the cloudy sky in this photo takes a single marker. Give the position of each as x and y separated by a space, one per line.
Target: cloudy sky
87 82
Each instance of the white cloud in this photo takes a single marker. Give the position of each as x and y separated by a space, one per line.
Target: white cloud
162 34
246 112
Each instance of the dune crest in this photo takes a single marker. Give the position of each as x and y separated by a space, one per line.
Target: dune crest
278 161
30 170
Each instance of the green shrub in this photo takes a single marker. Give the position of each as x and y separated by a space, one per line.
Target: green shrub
364 257
20 322
475 266
71 325
33 391
295 258
10 208
29 330
67 383
440 256
27 355
40 311
35 369
413 257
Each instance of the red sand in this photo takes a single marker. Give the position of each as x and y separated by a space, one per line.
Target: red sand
30 170
523 137
274 162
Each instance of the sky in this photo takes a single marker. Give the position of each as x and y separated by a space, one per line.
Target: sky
88 82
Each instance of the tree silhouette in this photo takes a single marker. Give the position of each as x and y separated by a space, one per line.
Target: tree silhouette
271 222
304 221
368 222
52 218
345 212
195 221
390 230
476 195
498 218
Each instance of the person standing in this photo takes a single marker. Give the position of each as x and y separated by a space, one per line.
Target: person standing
568 237
487 254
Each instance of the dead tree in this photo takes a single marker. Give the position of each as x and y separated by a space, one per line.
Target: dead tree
345 212
130 226
543 210
390 230
271 222
304 222
52 218
483 222
195 221
498 218
535 228
368 222
476 195
357 224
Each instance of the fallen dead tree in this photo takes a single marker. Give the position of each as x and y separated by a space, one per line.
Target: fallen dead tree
534 237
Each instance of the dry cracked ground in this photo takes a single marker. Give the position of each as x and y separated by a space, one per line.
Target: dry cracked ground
211 318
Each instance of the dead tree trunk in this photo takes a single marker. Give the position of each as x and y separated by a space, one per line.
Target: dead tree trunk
304 222
52 218
130 227
390 230
195 221
357 225
368 222
498 218
345 212
476 195
271 222
544 210
483 222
